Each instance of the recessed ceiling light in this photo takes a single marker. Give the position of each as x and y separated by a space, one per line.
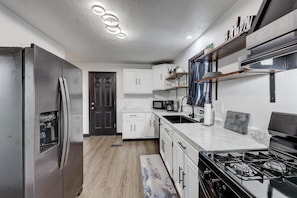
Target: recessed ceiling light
189 37
113 29
110 19
98 10
122 35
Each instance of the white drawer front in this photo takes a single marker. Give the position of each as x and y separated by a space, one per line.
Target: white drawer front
133 115
189 150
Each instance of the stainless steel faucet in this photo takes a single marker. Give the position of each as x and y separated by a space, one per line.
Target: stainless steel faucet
192 115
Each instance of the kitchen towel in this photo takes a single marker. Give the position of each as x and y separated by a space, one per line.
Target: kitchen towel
208 115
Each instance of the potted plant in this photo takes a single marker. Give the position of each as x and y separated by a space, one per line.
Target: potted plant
178 69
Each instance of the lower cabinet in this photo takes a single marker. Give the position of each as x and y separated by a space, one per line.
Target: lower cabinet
133 125
138 126
150 125
178 168
185 167
191 178
166 146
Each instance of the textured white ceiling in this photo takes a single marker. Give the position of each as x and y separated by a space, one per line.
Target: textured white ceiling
156 29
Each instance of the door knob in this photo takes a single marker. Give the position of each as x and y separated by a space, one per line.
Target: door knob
92 105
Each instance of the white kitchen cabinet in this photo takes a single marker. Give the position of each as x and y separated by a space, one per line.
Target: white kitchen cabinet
137 81
178 167
166 146
162 144
185 167
133 125
150 125
191 178
139 125
160 73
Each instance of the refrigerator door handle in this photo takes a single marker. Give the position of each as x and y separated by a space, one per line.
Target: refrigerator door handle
65 122
68 120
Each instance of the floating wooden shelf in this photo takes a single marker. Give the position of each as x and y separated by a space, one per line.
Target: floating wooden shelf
233 75
176 75
177 87
229 47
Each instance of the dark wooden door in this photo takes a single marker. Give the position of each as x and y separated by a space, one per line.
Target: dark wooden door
102 103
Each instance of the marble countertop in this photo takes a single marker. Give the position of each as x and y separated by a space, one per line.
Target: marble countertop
211 138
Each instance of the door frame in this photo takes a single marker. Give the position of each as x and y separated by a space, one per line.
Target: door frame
115 100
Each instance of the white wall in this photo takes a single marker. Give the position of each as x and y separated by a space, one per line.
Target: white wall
122 100
250 95
15 32
215 34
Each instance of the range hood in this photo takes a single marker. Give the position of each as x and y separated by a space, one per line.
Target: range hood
272 44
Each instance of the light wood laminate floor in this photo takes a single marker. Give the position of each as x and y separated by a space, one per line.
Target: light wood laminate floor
114 171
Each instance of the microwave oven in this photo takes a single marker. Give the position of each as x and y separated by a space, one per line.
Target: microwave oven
159 104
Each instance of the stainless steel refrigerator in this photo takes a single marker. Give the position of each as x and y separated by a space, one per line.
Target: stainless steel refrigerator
41 149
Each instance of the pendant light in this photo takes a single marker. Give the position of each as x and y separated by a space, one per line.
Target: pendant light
98 10
113 29
121 35
110 19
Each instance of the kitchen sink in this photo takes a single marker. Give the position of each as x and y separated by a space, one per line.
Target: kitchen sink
179 119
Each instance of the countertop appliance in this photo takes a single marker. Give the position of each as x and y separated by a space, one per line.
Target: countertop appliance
169 105
159 104
175 105
254 173
41 125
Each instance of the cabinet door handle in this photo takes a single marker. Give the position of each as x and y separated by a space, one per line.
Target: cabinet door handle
182 145
184 180
139 81
179 178
161 76
134 127
131 127
150 122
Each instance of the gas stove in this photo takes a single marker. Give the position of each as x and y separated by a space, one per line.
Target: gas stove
254 173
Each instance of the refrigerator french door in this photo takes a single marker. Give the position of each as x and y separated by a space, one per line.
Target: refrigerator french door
49 153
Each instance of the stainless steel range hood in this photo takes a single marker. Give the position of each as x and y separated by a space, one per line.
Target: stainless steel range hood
273 47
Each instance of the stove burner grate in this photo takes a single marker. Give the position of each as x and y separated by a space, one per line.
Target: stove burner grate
276 166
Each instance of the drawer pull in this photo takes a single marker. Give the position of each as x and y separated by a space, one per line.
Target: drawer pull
179 178
184 180
182 145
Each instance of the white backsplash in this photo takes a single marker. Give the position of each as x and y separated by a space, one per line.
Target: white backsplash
258 135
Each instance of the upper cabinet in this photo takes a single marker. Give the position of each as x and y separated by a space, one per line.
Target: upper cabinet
160 73
137 81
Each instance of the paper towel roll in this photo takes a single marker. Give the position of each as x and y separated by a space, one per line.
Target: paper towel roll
207 114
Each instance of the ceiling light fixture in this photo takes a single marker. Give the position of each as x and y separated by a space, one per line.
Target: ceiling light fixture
110 19
98 10
113 29
122 35
189 37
